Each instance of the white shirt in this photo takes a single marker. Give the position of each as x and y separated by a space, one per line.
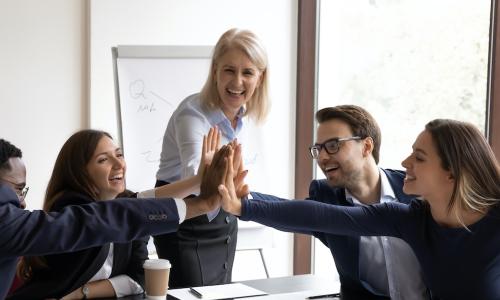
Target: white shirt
387 265
122 284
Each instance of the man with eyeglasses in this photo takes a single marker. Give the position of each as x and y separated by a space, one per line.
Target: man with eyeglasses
12 170
83 226
347 151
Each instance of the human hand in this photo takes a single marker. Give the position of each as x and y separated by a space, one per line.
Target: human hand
230 201
209 148
242 189
215 174
209 198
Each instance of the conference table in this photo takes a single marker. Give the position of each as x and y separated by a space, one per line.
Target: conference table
290 288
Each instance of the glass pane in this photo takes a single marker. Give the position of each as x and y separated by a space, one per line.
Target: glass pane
407 62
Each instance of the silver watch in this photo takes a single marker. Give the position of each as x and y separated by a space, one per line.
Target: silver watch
85 291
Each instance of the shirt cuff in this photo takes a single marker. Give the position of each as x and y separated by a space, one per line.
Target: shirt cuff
147 194
124 286
181 209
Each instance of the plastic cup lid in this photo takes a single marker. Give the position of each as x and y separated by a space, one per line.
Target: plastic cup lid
157 264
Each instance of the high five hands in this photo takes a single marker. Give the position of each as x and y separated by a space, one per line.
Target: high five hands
221 172
233 187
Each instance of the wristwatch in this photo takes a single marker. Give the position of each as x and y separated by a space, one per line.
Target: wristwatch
85 291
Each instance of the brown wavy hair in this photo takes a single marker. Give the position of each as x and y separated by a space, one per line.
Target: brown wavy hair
69 174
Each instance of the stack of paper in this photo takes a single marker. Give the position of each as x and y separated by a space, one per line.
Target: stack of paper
214 292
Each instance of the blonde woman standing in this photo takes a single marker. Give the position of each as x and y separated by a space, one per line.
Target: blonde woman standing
236 88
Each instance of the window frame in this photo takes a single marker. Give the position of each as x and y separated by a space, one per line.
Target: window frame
306 105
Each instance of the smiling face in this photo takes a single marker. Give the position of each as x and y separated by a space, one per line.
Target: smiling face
425 175
236 78
344 168
107 169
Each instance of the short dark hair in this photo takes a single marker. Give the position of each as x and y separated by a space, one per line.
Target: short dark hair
360 121
7 151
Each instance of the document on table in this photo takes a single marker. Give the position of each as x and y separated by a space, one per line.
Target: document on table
213 292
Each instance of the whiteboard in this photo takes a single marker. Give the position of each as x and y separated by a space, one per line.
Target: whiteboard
150 82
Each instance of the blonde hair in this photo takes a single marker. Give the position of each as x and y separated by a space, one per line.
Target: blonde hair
246 41
465 152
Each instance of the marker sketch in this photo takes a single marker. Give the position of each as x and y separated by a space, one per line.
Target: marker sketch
138 91
146 107
150 157
162 99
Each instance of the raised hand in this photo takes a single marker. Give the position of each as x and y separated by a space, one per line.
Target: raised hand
215 174
209 148
242 189
230 201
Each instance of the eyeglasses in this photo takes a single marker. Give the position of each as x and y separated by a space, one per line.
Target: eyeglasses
20 192
331 146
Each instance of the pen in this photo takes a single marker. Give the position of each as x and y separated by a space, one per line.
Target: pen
336 295
196 293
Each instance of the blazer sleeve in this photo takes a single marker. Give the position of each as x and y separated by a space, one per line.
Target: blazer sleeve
270 198
78 227
386 219
138 255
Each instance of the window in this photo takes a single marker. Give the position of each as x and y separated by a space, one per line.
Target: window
407 62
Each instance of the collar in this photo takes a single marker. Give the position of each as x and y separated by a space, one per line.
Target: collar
386 191
217 117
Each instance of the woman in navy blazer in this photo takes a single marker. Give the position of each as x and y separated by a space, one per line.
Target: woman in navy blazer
90 168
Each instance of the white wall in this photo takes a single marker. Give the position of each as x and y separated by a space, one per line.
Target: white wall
44 73
42 81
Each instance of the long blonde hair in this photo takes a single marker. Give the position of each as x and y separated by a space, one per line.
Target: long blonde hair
246 41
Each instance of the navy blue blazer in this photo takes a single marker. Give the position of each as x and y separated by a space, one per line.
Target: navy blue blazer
66 272
345 249
76 227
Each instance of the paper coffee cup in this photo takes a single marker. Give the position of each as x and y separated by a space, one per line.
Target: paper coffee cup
156 273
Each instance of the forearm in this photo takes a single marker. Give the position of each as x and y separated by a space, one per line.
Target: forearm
96 289
300 216
179 189
84 226
197 206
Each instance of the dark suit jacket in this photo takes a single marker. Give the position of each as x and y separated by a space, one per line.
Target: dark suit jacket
345 249
69 271
201 252
76 227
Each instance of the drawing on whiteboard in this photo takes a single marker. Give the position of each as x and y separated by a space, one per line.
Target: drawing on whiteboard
150 157
146 107
162 99
137 89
